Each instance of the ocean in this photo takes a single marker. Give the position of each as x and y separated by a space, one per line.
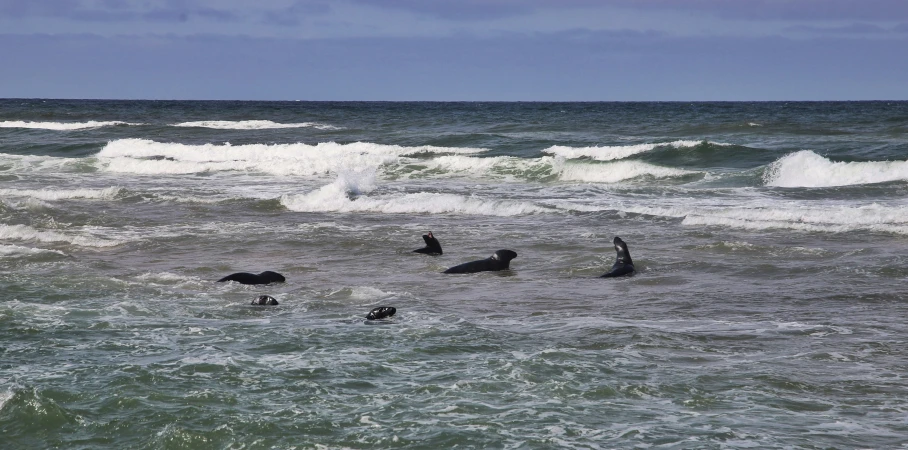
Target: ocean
768 309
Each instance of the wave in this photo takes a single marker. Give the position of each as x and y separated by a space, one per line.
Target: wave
540 169
18 251
253 125
348 194
27 233
808 169
61 126
51 195
791 216
150 157
611 153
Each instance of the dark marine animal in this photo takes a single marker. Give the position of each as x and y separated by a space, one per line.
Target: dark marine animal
265 277
500 260
382 312
265 300
433 247
623 263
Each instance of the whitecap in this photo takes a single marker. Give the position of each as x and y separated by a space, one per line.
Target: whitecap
808 169
61 126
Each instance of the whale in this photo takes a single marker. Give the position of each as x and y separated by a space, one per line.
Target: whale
265 300
623 263
433 247
382 312
500 260
265 277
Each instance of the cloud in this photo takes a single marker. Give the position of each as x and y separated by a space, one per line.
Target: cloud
114 11
855 28
794 10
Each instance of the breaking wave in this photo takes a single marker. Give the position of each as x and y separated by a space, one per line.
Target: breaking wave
611 153
349 194
808 169
252 125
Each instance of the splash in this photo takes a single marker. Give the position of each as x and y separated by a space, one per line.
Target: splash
611 153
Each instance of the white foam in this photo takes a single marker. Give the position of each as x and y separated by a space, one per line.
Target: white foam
61 126
341 196
16 250
252 125
27 233
610 153
51 194
614 172
808 169
800 216
150 157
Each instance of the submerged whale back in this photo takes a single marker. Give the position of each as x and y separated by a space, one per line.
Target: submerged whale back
501 260
265 277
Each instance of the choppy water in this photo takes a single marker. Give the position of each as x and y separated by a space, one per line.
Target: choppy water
768 310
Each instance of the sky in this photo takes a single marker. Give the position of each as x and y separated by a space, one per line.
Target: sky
455 50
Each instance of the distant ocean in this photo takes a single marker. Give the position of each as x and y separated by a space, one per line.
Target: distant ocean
769 308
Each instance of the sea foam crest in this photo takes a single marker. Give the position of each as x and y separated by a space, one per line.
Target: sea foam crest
150 157
610 153
808 169
792 216
18 250
252 125
614 172
61 126
346 194
547 167
27 233
51 194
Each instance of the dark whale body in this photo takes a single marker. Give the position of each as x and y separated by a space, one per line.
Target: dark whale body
433 247
382 312
265 277
623 263
265 300
500 260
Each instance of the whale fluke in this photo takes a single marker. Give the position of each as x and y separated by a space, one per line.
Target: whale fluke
623 263
433 247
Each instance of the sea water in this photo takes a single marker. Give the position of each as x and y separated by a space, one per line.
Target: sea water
768 309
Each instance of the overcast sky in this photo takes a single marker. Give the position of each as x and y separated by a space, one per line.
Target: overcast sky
571 50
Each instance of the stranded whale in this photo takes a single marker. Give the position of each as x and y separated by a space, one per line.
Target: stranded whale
265 277
433 247
264 300
382 312
498 261
623 263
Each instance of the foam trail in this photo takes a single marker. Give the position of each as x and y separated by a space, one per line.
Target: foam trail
50 194
611 153
61 126
252 125
808 169
26 233
17 250
792 216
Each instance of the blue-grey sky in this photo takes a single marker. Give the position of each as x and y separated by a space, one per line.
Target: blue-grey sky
571 50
